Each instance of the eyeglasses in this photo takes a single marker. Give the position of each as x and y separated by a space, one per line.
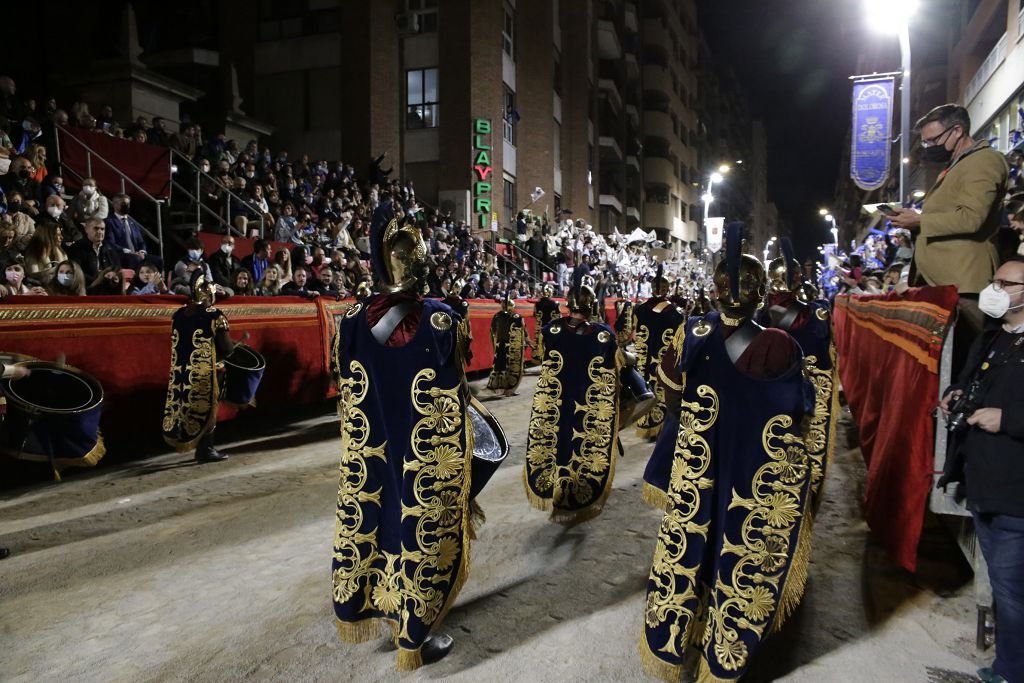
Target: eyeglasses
999 285
931 142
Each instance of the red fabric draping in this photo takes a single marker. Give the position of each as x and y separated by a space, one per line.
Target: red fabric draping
889 346
148 165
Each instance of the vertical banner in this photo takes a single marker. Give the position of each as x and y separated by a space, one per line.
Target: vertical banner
482 173
715 228
870 153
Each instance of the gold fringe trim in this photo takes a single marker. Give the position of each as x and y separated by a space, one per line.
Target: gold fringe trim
359 631
796 578
704 674
655 497
656 667
647 433
409 660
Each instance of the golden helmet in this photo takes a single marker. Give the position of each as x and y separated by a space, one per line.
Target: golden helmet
585 300
203 290
508 304
783 279
548 289
740 280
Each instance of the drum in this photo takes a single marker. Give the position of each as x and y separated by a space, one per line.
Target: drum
53 415
244 370
490 447
635 397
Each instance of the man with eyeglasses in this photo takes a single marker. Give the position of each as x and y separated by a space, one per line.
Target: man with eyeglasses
984 413
962 212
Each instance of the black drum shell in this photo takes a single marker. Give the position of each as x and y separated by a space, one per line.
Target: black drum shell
244 370
483 469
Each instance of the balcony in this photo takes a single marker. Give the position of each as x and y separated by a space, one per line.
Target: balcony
986 71
655 33
634 114
633 212
658 124
632 67
612 201
658 170
608 44
658 78
633 163
657 215
631 23
610 143
612 89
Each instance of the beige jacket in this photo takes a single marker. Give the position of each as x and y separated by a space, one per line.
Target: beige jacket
960 217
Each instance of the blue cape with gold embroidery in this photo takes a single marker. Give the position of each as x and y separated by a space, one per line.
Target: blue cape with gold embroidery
726 567
508 335
571 444
402 530
656 321
193 391
545 311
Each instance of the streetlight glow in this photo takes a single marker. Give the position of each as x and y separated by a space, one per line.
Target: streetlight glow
707 197
716 177
830 218
918 194
822 212
724 168
890 16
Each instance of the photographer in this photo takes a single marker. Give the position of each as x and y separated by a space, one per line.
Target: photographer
985 415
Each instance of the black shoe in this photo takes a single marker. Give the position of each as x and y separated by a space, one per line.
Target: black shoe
211 455
4 553
436 646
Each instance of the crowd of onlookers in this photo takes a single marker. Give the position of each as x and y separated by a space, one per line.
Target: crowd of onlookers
56 242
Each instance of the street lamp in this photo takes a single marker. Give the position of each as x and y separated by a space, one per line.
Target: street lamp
893 16
768 247
829 218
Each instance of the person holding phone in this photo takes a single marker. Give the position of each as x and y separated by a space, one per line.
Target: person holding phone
961 213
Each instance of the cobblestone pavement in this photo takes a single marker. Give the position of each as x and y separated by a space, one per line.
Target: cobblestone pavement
162 569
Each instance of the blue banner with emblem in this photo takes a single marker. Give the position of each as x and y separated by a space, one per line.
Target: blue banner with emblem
870 155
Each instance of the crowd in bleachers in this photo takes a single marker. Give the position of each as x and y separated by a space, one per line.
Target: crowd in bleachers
312 216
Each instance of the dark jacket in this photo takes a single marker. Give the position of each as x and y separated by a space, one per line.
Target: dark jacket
82 253
223 267
992 465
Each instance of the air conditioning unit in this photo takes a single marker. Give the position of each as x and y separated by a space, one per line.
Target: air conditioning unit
407 24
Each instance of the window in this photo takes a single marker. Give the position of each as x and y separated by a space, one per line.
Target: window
510 199
426 10
508 32
421 98
510 118
557 146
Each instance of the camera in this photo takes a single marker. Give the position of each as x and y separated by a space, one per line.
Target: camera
964 406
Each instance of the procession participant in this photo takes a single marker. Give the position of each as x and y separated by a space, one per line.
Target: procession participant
656 321
679 298
403 523
725 570
461 309
508 338
199 341
810 325
573 430
545 311
625 323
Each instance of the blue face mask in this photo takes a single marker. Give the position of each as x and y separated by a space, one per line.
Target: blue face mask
195 254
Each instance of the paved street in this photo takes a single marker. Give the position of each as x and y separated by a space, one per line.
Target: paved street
165 570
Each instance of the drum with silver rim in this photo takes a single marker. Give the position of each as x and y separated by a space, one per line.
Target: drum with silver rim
244 370
490 447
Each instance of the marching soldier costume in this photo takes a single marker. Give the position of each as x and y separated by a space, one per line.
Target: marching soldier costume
656 321
508 337
573 432
625 323
726 569
199 343
460 307
545 311
401 545
810 325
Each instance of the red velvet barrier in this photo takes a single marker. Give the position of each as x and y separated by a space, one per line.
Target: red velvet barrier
124 342
889 347
148 165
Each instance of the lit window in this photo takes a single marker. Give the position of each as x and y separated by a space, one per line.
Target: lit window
508 32
421 95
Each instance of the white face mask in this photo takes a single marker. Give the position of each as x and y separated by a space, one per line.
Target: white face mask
227 248
54 211
995 303
13 276
206 168
195 254
88 190
65 278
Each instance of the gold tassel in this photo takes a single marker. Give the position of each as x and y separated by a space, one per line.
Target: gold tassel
409 660
656 667
796 578
704 674
358 631
655 497
647 433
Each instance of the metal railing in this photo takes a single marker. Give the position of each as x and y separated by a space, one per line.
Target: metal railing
225 220
126 181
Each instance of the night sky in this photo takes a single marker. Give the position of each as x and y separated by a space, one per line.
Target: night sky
793 58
